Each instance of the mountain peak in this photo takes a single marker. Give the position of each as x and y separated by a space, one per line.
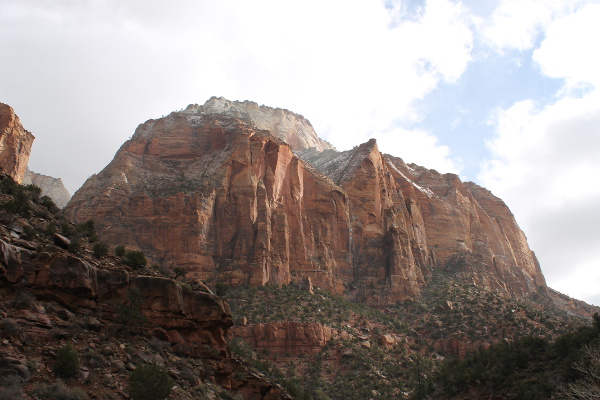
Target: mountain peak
290 127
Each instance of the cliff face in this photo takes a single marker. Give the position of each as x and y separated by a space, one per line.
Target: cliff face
470 230
52 187
208 190
223 199
15 144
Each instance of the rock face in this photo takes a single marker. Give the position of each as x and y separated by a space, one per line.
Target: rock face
15 144
185 318
191 322
51 187
260 214
209 190
286 339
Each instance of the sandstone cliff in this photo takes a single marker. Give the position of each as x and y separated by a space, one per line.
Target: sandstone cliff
229 202
51 187
15 144
208 190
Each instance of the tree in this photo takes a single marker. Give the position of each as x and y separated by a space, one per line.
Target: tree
135 259
149 382
129 314
588 387
100 250
67 362
120 250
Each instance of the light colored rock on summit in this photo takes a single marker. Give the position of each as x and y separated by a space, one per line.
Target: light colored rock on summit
51 187
290 127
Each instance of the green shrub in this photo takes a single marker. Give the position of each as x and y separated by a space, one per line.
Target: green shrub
75 246
135 259
67 362
129 314
120 250
88 229
180 271
58 391
47 202
100 250
149 382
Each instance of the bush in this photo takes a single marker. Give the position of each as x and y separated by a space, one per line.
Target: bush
135 259
129 314
58 391
67 362
149 382
88 229
180 271
75 246
100 250
120 250
47 202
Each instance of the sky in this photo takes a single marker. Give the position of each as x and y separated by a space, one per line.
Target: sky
505 93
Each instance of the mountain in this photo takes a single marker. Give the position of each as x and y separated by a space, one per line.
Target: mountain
215 189
15 143
451 301
52 187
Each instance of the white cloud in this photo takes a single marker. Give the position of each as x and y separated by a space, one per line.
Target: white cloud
86 73
568 50
419 147
545 167
517 24
545 158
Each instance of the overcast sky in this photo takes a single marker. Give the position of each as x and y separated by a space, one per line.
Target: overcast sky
505 93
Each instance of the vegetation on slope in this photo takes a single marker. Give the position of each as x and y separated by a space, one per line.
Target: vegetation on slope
356 364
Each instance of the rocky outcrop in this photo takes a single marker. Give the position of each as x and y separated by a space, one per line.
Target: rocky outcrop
51 187
56 293
15 144
285 339
207 190
457 347
185 318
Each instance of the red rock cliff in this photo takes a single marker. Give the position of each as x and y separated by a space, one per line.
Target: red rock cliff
211 192
15 144
223 199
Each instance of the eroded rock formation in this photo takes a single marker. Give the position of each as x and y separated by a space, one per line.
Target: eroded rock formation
209 190
15 144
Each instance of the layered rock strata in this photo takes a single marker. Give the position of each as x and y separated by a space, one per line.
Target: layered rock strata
207 190
15 144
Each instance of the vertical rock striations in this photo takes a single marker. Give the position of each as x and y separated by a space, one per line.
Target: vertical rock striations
229 202
15 144
215 189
